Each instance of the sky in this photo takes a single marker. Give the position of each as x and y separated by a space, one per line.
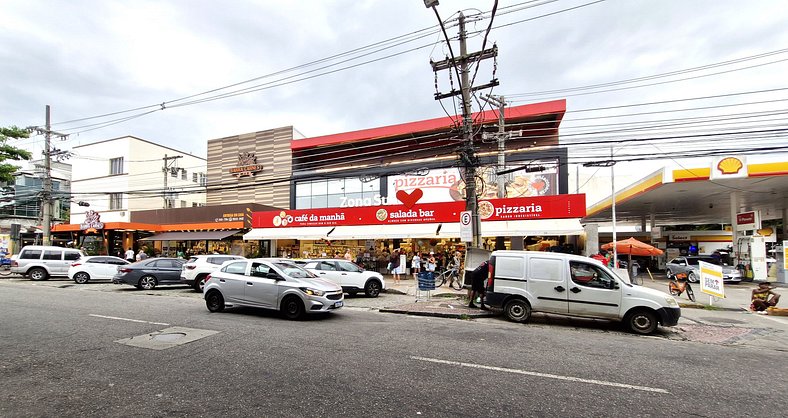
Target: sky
90 58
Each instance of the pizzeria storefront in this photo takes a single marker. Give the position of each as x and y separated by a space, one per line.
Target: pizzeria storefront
415 227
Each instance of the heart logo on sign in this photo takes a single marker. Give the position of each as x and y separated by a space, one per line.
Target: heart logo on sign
409 199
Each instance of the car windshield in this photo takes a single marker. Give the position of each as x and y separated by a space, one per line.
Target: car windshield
295 271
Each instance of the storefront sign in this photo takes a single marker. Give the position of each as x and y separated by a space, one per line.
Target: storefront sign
92 222
247 165
230 217
543 207
711 279
679 237
656 232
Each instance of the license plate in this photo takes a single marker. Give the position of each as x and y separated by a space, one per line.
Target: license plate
339 304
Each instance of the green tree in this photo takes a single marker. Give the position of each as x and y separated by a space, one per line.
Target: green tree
9 152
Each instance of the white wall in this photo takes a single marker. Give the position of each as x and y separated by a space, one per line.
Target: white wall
142 175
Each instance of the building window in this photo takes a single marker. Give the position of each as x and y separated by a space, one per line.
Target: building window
184 176
116 166
202 179
331 193
183 203
194 204
194 177
115 201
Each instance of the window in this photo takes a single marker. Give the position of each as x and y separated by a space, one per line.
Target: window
590 276
194 177
116 166
327 266
115 201
53 255
184 176
184 203
30 255
72 255
97 260
235 268
348 266
202 179
220 260
260 270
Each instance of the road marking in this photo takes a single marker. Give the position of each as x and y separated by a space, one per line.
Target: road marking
127 319
545 375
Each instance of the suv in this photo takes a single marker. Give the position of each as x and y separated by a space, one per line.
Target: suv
200 266
40 262
349 275
689 265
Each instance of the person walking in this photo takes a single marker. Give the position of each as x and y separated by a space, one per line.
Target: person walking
454 266
395 265
348 255
478 276
130 255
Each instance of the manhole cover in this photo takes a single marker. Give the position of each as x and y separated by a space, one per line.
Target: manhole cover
722 320
169 337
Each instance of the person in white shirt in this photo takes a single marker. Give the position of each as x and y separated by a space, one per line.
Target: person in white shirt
130 255
415 266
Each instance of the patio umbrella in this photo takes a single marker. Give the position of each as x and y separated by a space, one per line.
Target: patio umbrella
631 246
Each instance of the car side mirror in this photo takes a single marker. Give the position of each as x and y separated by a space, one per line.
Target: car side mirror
272 275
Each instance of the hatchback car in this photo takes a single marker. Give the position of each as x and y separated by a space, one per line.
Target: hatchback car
349 275
151 272
271 284
689 266
95 267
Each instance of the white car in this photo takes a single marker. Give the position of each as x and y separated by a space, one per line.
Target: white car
349 275
95 267
270 284
200 266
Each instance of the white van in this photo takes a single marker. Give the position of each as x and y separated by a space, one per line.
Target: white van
40 262
520 282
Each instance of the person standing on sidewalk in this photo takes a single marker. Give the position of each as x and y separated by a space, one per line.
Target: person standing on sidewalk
130 255
415 265
477 284
395 265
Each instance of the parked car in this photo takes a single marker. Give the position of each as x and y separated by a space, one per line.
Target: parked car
520 282
40 262
95 267
200 266
689 265
149 273
271 284
349 275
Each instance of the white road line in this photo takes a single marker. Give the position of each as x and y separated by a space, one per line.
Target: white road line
127 319
545 375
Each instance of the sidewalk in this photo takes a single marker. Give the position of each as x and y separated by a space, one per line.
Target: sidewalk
443 302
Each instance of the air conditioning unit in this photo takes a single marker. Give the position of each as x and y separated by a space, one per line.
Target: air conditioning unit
123 213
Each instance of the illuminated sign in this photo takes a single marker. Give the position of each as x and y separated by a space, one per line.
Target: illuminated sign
92 222
247 165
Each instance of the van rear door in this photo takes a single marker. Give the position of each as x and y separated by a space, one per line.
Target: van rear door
593 291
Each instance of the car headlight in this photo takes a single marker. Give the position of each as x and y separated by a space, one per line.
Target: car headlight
312 292
671 301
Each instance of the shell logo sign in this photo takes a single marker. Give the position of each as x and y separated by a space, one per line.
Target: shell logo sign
729 167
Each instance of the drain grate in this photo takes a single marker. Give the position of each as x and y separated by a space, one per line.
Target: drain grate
167 338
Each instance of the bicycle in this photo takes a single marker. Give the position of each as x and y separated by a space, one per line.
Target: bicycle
679 284
445 275
5 269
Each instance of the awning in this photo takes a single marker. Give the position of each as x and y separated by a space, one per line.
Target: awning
300 232
429 230
191 236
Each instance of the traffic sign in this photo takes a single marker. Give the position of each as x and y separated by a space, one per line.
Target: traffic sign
466 229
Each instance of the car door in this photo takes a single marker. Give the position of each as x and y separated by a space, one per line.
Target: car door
546 282
98 268
349 274
260 289
53 259
327 269
232 280
168 271
593 291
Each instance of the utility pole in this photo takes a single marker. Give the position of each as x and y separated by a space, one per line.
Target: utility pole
461 65
169 163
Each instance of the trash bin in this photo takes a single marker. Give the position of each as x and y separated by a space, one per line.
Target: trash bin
426 280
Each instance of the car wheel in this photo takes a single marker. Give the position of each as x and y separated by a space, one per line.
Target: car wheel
292 308
81 277
372 289
147 282
199 283
642 322
38 274
518 310
214 301
692 277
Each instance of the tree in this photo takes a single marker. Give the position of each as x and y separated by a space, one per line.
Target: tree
9 152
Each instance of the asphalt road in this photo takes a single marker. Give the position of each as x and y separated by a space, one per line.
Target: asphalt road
59 355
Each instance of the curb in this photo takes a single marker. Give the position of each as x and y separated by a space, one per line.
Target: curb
710 307
467 315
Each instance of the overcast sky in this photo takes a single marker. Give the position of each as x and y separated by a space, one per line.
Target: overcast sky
88 58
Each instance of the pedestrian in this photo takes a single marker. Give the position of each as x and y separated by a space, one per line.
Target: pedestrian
454 266
141 255
348 255
130 255
478 276
415 266
395 265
